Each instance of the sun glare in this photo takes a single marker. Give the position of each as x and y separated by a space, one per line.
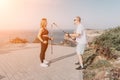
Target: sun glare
3 3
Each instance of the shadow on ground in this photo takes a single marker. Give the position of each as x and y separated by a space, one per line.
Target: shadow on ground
61 58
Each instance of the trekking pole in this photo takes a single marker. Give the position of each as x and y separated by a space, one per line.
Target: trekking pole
60 28
51 40
63 31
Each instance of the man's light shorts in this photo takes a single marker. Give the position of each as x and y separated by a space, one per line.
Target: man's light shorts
80 48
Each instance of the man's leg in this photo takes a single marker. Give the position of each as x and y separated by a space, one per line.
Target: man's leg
80 60
80 50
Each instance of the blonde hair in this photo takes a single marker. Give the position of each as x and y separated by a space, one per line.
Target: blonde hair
43 23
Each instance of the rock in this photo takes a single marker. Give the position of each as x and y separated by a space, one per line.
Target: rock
97 58
100 75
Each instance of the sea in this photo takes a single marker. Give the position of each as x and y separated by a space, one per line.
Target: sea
30 35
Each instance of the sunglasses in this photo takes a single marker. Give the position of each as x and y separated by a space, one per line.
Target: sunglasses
75 20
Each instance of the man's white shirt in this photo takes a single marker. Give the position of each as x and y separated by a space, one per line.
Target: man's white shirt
82 38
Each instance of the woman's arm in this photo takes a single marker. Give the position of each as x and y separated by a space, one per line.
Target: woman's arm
39 35
50 38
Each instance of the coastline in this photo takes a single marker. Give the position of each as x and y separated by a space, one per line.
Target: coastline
6 36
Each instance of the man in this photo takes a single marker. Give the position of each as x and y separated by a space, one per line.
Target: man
81 41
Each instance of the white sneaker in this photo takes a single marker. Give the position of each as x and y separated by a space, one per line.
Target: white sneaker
43 65
46 62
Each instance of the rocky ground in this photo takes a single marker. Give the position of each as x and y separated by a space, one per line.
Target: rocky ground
100 68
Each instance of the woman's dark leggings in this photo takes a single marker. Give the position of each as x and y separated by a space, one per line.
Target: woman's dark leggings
43 50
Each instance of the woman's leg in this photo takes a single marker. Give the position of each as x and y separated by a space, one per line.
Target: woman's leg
43 50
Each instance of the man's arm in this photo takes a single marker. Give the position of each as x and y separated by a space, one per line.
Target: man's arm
75 35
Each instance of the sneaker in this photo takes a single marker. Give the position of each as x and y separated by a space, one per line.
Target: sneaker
79 68
46 62
43 65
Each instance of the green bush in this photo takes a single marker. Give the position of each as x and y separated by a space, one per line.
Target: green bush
110 38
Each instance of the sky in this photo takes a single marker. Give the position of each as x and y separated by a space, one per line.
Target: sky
26 14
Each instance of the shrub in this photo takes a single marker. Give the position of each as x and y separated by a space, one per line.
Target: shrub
18 40
110 38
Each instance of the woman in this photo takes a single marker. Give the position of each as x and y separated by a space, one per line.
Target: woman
43 37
